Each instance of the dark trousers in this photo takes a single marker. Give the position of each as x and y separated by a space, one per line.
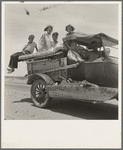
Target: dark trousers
13 63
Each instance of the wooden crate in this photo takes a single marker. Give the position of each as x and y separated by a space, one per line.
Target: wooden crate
42 66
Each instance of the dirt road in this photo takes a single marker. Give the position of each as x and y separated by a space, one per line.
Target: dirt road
18 106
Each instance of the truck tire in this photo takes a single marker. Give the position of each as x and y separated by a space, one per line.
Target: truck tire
39 94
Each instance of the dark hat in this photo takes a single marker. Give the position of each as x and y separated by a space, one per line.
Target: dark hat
49 26
55 33
69 26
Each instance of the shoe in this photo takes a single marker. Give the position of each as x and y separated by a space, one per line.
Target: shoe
10 70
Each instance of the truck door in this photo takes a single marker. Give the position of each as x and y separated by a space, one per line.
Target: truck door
95 72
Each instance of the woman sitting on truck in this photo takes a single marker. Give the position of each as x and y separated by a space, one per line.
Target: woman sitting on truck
70 29
45 42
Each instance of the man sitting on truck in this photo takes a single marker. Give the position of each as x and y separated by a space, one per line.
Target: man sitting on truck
95 54
28 49
80 53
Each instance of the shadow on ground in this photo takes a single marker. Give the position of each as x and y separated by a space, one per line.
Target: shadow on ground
28 100
84 110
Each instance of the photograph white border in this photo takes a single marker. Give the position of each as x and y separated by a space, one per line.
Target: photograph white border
66 133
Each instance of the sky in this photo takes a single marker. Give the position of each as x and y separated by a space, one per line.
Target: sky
90 18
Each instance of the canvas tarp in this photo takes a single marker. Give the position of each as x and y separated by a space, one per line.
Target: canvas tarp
86 39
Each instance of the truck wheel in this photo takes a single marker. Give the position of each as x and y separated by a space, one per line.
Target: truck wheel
39 95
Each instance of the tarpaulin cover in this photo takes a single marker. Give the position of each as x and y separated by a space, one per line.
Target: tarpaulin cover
86 39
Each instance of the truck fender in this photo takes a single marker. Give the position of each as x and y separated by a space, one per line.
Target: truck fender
37 76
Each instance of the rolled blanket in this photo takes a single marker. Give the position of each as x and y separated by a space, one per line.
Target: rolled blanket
41 54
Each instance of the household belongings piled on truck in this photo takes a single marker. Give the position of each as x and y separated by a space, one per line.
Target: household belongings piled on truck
53 75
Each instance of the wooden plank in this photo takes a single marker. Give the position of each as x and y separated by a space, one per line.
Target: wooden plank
46 65
63 68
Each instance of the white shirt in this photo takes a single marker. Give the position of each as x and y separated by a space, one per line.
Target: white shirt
44 42
30 47
54 43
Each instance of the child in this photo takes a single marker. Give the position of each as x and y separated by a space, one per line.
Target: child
55 38
28 49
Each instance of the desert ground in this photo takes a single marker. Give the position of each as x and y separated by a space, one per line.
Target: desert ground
19 106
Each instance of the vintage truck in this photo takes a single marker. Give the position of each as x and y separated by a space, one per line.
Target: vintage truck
53 75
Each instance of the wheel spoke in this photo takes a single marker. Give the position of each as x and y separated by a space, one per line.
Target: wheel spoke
37 91
38 99
36 95
38 87
41 99
43 86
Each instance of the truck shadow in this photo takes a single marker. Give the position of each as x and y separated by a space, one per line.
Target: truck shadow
85 110
81 110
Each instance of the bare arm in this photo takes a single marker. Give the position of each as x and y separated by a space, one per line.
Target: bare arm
24 48
36 48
